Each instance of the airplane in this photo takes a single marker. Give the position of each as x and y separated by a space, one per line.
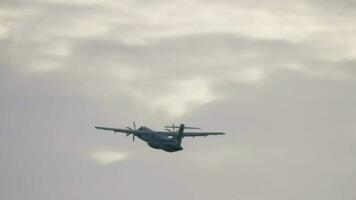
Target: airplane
169 140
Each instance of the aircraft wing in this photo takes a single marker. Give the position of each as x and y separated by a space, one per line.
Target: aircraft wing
201 134
114 129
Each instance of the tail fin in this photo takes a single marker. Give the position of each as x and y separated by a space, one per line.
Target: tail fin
180 133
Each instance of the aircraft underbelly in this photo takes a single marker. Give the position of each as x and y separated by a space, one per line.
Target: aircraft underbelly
172 148
154 145
165 147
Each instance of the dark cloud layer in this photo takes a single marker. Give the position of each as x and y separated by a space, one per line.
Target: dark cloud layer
278 77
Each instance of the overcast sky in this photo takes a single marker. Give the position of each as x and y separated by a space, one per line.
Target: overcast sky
279 77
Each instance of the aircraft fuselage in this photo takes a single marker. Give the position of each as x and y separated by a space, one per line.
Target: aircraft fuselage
159 141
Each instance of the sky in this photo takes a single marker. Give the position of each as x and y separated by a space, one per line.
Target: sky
278 77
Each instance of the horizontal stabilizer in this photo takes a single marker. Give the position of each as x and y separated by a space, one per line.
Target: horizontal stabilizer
186 127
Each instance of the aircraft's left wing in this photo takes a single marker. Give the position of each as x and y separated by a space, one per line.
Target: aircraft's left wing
114 129
201 134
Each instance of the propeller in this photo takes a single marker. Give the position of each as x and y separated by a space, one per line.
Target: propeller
133 135
168 128
134 128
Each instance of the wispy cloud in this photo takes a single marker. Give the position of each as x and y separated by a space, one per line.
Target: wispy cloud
107 157
278 76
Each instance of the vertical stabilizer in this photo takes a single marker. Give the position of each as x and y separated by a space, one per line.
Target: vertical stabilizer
180 133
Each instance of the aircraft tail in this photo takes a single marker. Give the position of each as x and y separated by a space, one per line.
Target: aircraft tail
180 133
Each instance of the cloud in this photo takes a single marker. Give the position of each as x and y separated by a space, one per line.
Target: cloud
107 157
185 95
277 76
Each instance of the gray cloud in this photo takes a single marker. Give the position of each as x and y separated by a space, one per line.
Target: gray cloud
278 77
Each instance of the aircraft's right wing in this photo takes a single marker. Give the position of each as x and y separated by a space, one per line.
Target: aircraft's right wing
201 134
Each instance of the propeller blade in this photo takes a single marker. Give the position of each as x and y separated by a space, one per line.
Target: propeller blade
134 125
173 126
133 138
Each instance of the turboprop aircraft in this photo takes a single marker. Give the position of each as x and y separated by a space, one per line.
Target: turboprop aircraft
169 140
